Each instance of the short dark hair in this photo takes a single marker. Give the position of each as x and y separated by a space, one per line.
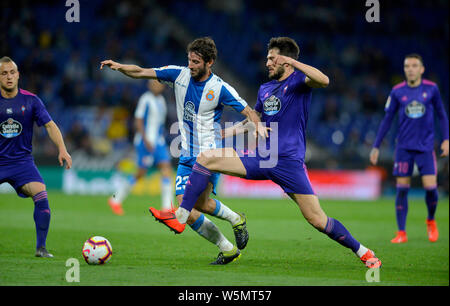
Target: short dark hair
415 55
286 45
205 47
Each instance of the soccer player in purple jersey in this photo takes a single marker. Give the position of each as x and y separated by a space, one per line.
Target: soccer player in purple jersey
285 100
416 101
19 110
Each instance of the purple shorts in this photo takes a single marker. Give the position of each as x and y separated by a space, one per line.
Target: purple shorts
20 173
404 162
290 175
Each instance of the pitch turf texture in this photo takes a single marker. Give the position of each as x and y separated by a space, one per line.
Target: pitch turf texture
283 250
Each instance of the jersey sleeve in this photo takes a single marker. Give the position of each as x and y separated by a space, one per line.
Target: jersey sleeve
259 104
40 114
168 74
390 108
230 97
441 114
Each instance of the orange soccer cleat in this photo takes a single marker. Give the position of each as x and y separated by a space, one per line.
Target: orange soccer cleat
370 260
433 233
168 218
116 207
400 238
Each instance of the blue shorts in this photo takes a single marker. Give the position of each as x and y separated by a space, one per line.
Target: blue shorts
290 175
20 173
404 162
146 159
184 170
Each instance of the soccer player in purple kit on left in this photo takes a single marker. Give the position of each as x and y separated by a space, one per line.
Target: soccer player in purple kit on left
19 110
416 101
285 100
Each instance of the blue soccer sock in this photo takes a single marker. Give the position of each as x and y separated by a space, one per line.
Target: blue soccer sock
401 206
431 199
336 231
41 218
196 184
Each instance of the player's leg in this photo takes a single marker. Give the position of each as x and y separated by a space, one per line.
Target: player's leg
41 215
116 200
166 184
310 208
223 160
427 165
403 168
208 230
401 208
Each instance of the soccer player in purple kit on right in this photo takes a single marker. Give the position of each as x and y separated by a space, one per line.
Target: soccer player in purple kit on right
285 100
19 110
416 101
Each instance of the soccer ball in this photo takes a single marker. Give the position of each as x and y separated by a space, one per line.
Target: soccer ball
97 250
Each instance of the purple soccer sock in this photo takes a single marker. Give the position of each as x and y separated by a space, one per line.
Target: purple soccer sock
401 206
196 184
431 199
336 231
41 218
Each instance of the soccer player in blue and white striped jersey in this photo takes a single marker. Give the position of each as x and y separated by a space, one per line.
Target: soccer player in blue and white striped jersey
151 147
200 97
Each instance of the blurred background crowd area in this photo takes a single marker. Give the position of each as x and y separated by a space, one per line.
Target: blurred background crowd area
94 108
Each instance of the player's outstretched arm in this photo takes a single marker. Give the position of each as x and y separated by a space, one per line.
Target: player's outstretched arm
55 135
314 77
133 71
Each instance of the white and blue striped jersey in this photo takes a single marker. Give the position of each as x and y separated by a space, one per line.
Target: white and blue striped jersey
199 107
153 111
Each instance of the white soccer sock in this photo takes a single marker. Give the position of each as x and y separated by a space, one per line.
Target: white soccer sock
208 230
123 191
225 213
182 214
166 193
361 251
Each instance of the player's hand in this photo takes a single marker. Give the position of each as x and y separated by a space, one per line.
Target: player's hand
374 153
111 64
281 60
444 148
261 130
64 156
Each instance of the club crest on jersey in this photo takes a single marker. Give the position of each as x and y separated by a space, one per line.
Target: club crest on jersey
10 128
189 111
415 110
23 109
272 105
210 95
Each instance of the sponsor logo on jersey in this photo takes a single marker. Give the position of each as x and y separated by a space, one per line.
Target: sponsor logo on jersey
415 110
189 111
9 111
272 105
10 128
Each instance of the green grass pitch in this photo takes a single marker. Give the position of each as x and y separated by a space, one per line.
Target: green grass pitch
283 250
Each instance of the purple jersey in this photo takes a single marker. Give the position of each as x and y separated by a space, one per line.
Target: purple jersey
17 116
287 103
416 107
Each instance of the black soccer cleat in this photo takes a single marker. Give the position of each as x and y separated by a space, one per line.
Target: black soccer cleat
240 232
42 252
226 257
